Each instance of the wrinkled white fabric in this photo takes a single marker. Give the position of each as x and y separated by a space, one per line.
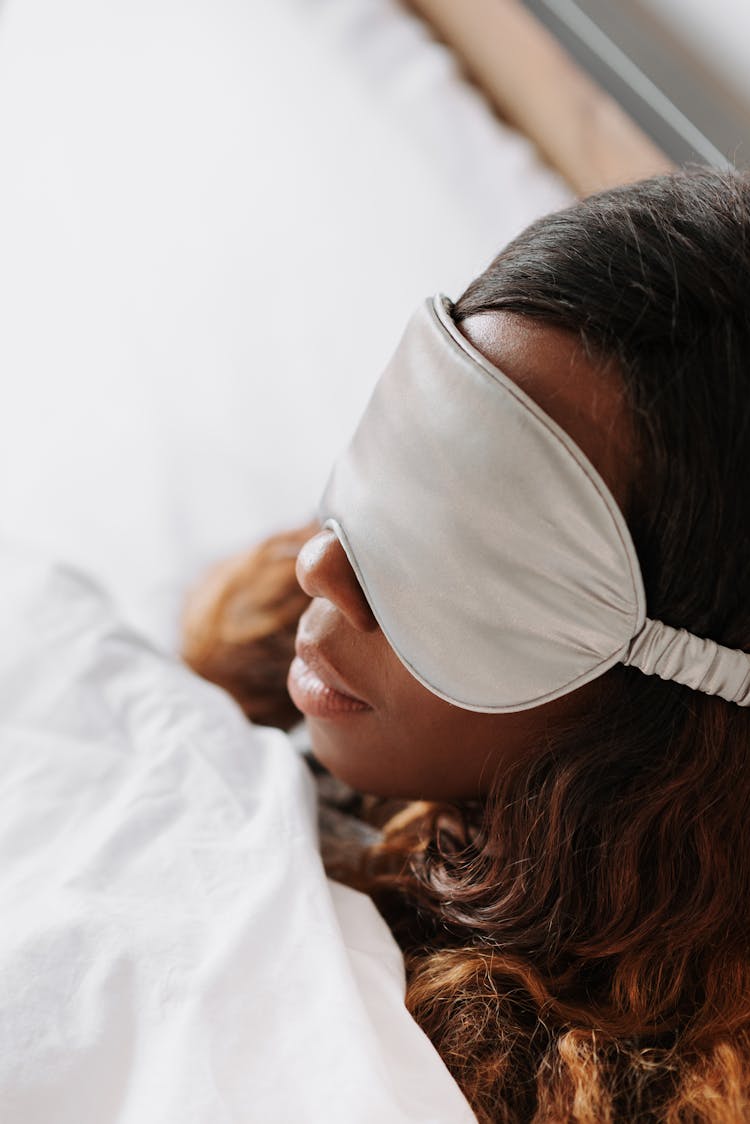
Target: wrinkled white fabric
171 951
174 176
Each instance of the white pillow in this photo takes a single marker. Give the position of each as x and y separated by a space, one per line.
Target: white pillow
215 220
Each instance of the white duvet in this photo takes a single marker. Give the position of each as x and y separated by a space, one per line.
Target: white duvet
170 949
215 218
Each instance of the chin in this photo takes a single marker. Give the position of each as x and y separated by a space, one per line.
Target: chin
354 764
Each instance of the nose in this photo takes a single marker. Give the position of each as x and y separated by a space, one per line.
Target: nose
323 570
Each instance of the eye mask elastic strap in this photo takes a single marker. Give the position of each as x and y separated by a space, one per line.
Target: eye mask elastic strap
704 665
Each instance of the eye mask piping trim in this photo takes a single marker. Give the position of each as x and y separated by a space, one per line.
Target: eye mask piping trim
440 313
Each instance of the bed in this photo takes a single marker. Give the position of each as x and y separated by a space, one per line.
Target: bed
215 219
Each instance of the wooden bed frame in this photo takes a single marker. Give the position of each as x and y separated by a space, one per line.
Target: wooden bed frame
535 85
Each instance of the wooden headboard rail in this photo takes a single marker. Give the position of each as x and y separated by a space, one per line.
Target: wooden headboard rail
536 86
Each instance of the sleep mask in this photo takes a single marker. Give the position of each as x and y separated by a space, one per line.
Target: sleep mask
491 552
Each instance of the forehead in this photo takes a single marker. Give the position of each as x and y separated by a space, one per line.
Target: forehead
585 396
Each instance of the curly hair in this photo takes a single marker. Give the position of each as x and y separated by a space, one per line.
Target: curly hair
578 945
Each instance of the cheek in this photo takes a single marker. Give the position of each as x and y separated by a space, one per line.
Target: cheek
444 752
415 746
354 749
384 751
455 753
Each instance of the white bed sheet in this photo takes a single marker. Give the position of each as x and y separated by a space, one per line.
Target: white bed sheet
215 218
170 948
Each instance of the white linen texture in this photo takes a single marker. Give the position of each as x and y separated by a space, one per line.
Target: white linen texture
171 949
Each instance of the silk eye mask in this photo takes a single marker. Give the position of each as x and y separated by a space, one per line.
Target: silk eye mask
491 552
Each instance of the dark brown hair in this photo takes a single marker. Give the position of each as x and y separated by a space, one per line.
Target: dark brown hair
578 946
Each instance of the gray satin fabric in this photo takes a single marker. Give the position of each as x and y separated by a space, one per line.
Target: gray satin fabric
704 665
492 554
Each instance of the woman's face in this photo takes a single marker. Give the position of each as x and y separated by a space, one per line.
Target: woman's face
400 739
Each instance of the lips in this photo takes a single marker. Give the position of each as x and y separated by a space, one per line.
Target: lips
317 689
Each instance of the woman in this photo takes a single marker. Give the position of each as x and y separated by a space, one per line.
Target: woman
573 899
